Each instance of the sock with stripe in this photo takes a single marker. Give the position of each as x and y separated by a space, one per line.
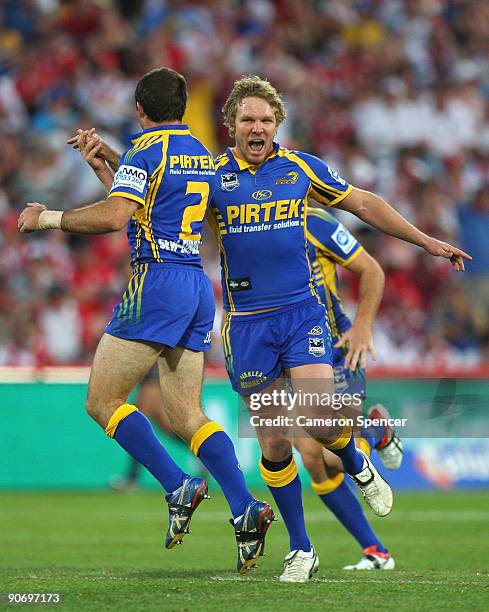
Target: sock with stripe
132 430
372 436
284 484
344 447
214 448
337 495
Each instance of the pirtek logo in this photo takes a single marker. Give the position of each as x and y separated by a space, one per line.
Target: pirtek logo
265 212
261 194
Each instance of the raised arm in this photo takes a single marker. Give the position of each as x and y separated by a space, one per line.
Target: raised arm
379 214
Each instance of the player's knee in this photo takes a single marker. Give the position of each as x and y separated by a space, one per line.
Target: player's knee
276 450
92 407
185 425
101 410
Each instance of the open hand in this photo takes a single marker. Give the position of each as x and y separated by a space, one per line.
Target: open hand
94 150
360 343
90 145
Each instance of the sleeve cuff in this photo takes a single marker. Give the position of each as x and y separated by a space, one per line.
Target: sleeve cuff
340 197
128 196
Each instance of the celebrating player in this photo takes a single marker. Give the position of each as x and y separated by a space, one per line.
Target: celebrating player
166 313
275 321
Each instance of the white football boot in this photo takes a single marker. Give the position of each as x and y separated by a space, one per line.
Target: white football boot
390 448
375 490
373 560
300 566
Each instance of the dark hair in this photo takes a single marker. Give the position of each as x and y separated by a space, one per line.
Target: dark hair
163 94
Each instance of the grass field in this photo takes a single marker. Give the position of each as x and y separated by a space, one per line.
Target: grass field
104 551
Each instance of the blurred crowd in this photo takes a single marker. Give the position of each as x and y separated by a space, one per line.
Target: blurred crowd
392 93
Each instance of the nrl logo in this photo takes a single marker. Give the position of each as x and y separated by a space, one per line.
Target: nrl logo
290 178
316 347
229 181
261 194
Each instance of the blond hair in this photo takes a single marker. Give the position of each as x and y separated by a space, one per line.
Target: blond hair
252 86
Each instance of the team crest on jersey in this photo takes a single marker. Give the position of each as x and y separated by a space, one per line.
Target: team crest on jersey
261 194
316 331
229 181
290 178
316 347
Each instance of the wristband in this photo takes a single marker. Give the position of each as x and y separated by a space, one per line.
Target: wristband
50 219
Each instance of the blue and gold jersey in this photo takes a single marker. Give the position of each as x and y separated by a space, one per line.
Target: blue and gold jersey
171 175
258 215
330 243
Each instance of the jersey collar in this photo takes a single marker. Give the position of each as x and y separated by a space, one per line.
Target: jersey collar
174 127
240 164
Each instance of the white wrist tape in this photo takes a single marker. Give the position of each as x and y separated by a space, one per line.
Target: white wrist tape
50 219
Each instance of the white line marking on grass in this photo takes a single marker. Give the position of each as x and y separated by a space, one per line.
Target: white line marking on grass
391 579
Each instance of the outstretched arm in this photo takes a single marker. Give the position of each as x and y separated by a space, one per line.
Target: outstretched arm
103 217
377 213
359 338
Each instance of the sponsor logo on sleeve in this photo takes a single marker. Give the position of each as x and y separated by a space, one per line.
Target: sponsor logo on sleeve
229 181
130 177
336 176
316 331
342 237
316 347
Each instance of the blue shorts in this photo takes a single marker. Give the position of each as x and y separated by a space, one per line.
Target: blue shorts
259 346
168 304
346 381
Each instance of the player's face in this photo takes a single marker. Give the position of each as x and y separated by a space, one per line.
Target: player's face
254 130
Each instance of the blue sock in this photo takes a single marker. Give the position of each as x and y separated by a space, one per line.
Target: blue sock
344 504
287 494
133 431
217 453
352 458
373 435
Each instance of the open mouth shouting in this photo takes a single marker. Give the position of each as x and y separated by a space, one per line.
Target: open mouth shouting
257 145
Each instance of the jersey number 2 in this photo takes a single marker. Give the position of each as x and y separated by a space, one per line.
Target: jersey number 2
196 212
